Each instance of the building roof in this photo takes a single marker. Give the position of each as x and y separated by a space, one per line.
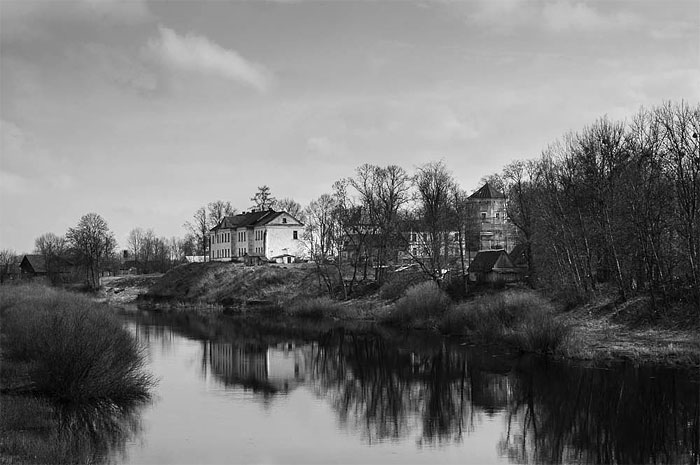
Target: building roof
519 254
242 220
37 263
487 192
249 219
486 261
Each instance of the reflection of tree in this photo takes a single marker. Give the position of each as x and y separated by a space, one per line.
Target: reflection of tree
379 388
576 414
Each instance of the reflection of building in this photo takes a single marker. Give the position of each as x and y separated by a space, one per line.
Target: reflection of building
281 367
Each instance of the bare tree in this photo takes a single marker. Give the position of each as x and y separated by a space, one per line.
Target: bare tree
290 206
135 242
53 248
320 234
198 228
435 187
384 192
8 258
218 210
93 242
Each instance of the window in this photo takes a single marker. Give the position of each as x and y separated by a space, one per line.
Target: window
483 215
284 220
498 215
295 235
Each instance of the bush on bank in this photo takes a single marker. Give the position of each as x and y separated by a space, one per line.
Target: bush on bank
75 350
522 317
422 304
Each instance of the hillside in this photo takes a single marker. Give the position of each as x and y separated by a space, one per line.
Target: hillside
232 284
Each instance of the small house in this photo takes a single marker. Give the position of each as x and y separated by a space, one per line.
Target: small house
493 266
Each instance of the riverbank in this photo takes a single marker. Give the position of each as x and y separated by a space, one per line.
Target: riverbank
599 331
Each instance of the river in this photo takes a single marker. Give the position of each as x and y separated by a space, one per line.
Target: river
231 391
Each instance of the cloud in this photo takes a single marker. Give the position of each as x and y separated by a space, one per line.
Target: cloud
30 19
567 15
555 16
198 54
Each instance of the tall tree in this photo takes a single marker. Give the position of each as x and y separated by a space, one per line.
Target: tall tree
8 258
290 206
92 241
263 199
435 187
218 210
320 235
53 248
135 242
198 227
383 192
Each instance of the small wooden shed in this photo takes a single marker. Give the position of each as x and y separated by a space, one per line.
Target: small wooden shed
493 266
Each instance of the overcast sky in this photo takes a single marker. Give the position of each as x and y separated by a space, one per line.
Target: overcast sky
144 111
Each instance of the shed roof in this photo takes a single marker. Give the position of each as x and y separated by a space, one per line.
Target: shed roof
487 192
37 263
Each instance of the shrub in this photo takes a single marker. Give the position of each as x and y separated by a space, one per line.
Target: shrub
422 303
521 317
314 308
398 283
77 350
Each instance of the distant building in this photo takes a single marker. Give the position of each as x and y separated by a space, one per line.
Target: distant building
260 235
489 223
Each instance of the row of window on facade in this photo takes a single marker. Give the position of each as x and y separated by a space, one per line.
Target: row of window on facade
259 236
223 253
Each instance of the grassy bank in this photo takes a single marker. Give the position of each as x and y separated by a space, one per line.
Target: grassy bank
234 285
69 371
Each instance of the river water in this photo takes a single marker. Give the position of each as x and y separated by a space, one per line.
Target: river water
231 391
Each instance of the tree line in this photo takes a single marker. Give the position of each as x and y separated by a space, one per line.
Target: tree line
617 202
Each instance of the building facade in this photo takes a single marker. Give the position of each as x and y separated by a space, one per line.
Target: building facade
269 235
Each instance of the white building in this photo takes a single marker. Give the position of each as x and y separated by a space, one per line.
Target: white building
265 235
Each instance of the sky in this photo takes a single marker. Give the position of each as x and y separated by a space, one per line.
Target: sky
144 111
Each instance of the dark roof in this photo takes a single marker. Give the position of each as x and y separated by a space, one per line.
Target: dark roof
241 220
487 192
487 259
249 219
37 263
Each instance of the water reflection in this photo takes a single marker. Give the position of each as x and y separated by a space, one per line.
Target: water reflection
390 387
95 433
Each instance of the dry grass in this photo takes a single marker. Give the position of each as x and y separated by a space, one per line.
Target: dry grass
233 284
598 335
